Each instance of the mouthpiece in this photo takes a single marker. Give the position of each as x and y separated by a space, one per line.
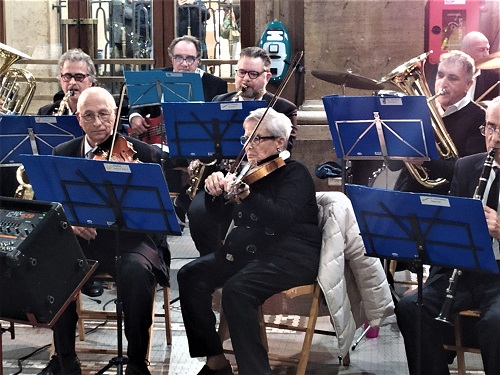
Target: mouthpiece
439 93
236 97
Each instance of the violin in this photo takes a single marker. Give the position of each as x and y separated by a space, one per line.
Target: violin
121 151
261 171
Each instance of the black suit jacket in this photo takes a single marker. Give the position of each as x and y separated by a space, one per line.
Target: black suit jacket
103 247
466 175
50 109
282 105
211 84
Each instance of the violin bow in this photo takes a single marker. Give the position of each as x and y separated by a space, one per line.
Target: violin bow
117 120
295 62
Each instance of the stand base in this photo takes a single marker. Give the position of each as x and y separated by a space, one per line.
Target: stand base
116 361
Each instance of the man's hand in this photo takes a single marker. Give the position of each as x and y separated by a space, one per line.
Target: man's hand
493 222
186 2
138 125
86 233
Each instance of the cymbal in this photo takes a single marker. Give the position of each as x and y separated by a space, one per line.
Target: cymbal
491 61
347 79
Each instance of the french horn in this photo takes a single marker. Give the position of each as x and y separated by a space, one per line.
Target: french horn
410 78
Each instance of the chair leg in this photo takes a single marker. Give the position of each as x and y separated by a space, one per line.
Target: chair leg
168 315
311 325
263 333
458 344
81 321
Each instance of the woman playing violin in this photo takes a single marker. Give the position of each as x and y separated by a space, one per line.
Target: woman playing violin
274 245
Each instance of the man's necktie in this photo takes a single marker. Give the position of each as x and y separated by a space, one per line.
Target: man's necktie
492 201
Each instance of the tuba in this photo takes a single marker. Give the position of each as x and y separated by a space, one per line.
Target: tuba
17 86
410 78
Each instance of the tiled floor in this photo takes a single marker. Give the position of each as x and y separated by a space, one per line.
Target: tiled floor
384 355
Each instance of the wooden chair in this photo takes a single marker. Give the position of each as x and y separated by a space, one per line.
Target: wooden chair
84 314
313 308
459 342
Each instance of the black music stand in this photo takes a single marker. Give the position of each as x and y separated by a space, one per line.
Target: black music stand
380 128
207 130
36 135
423 229
109 195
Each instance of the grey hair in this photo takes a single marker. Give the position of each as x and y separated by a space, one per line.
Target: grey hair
77 55
277 123
460 58
257 52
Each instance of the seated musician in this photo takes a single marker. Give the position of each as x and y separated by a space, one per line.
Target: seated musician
185 53
141 263
76 73
253 73
473 290
273 246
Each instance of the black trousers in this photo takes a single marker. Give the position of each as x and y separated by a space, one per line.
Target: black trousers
136 289
246 283
206 231
474 290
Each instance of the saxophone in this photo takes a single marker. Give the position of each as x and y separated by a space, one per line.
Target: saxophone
25 190
236 96
64 105
199 172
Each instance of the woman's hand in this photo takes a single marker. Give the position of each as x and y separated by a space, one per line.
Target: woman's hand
215 184
86 233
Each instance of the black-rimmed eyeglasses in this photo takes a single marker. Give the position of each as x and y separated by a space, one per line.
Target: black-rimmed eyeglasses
251 73
180 59
78 77
257 140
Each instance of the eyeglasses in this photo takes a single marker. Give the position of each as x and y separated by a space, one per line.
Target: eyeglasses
90 117
257 140
79 77
180 59
251 73
489 130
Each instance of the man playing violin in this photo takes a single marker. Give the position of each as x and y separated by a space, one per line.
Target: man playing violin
252 76
141 263
274 245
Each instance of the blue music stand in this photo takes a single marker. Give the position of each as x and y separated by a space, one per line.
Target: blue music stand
152 87
424 229
109 195
34 135
375 127
90 191
210 129
411 226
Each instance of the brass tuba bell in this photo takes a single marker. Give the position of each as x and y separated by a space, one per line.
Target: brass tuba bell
17 86
410 78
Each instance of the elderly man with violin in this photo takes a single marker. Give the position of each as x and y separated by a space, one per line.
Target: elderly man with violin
274 245
252 76
141 263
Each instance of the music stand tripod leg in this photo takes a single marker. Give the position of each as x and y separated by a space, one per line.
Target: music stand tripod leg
119 360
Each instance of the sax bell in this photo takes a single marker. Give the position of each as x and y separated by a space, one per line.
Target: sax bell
24 190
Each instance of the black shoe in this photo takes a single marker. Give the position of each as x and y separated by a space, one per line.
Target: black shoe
93 288
70 366
134 368
227 370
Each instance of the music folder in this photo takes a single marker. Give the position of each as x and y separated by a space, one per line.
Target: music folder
429 227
